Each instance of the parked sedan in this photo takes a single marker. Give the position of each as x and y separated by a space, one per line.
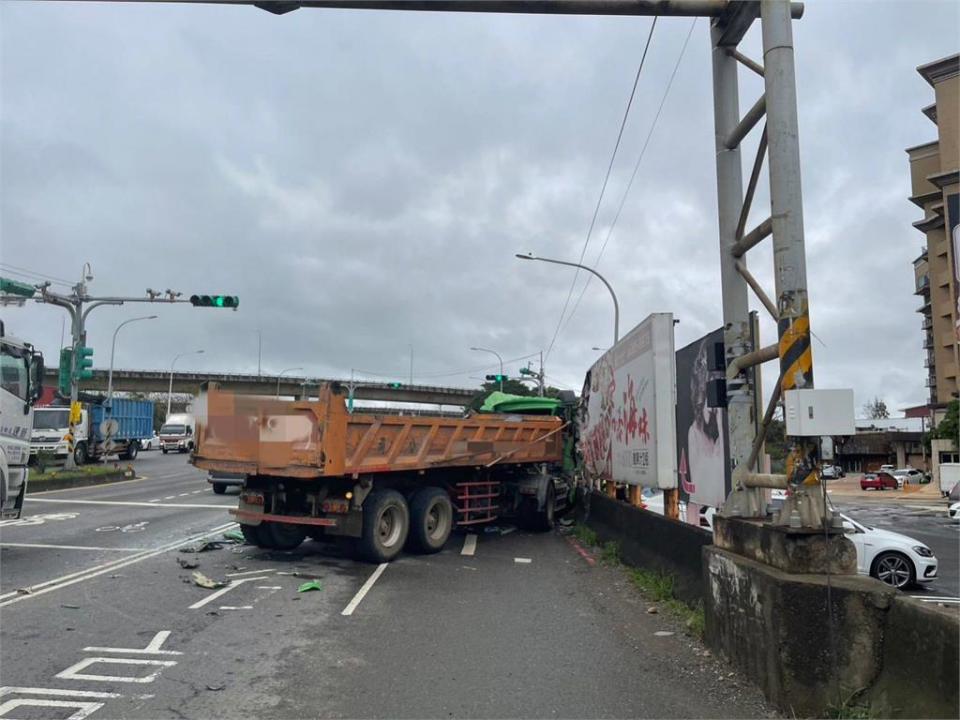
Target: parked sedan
878 481
909 476
953 512
150 443
897 560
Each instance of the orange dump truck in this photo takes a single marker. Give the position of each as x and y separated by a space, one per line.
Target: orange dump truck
314 469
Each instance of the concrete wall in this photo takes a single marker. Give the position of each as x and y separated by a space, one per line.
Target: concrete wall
652 541
892 653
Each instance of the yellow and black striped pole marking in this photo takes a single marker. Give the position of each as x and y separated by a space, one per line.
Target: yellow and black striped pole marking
796 367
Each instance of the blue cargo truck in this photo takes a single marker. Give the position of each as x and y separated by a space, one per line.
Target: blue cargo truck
102 431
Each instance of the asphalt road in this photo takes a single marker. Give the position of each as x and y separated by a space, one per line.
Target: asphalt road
523 627
925 522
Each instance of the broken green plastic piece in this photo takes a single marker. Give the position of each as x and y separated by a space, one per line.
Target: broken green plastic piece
312 585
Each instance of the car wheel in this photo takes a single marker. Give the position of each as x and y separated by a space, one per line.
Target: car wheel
894 569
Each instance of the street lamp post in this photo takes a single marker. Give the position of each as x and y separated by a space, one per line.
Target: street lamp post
281 375
493 352
616 305
113 348
170 389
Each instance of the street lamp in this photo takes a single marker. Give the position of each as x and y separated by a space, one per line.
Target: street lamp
616 305
113 348
493 352
281 375
170 390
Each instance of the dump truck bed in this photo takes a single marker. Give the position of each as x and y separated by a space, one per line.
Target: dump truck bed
313 439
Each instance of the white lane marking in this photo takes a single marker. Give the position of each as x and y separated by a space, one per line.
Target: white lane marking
269 587
236 607
945 600
169 497
469 544
183 494
70 547
155 500
8 689
362 592
248 572
214 595
196 492
73 672
67 580
524 561
127 503
152 648
83 709
40 519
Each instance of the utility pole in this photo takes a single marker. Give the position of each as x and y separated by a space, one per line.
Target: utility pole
259 350
79 304
113 348
411 365
170 388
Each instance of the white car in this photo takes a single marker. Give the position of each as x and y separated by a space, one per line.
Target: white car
892 558
908 476
653 501
151 442
954 512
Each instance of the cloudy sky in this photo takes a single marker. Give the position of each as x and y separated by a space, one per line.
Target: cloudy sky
362 181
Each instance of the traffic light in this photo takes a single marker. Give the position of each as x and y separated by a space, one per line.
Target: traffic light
497 378
526 371
220 301
84 363
396 385
63 381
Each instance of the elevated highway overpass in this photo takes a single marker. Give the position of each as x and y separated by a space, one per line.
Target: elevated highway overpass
290 386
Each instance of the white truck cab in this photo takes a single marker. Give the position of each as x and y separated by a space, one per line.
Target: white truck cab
51 426
21 382
176 435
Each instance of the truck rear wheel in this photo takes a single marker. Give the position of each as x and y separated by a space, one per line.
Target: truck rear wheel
131 452
386 523
281 536
219 488
251 533
431 520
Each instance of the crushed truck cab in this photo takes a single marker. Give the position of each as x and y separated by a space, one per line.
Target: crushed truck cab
389 480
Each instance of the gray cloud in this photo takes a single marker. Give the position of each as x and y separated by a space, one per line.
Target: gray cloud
363 179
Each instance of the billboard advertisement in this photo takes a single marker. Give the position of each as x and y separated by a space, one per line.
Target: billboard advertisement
703 437
628 430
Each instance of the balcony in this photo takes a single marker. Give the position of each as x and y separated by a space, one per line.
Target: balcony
927 323
928 361
923 284
932 382
928 340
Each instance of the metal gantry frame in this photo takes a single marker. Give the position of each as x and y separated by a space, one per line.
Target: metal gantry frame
779 143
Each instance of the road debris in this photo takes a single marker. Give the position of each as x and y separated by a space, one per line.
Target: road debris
202 546
188 564
24 591
70 607
652 610
663 633
507 531
215 688
234 536
203 581
312 585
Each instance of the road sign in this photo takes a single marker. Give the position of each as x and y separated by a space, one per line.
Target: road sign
109 427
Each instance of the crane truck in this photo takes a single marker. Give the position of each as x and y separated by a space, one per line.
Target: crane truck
21 383
389 481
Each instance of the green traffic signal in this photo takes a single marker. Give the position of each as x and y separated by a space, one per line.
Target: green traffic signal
66 363
497 378
84 368
219 301
396 385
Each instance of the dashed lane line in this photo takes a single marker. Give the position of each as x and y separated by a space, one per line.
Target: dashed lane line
222 591
362 592
129 503
66 580
469 544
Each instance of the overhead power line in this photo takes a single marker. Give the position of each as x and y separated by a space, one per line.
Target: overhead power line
33 274
476 368
603 188
636 167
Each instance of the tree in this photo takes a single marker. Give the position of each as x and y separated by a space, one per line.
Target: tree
876 409
949 427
